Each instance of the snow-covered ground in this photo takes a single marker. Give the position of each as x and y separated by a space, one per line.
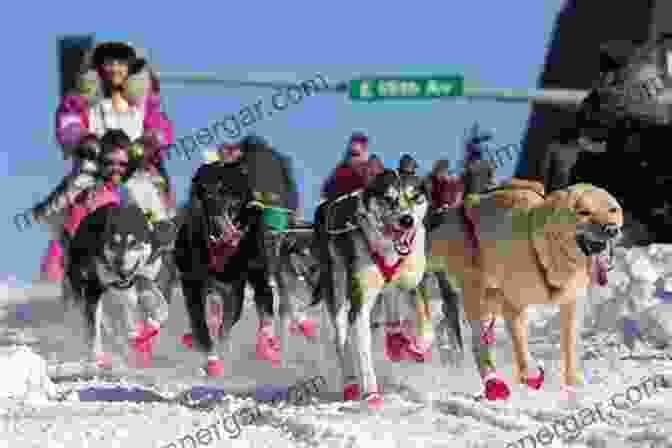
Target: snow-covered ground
425 404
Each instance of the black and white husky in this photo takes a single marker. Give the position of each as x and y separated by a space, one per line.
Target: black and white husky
114 256
375 242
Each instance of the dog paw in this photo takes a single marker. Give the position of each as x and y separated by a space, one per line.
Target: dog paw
188 341
396 347
306 327
215 368
103 360
536 382
351 392
496 387
374 399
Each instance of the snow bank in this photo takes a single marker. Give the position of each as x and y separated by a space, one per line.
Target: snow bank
636 303
24 375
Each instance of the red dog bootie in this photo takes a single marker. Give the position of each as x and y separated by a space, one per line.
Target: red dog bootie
215 367
143 345
536 382
305 327
495 386
396 347
103 360
419 349
352 392
268 346
396 342
374 399
188 341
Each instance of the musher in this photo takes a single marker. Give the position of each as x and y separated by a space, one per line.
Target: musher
117 90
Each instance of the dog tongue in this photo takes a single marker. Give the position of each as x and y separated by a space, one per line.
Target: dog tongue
600 269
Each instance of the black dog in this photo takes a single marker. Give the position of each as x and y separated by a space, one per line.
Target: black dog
221 245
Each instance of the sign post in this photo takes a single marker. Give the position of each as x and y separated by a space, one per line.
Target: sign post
406 88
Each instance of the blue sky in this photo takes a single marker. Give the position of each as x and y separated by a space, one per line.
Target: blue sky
486 41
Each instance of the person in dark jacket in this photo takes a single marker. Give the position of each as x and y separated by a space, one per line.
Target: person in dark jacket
353 173
270 173
408 166
355 170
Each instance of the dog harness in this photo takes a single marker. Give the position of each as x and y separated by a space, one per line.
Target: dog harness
219 253
388 271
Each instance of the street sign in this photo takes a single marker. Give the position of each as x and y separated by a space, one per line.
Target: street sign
406 88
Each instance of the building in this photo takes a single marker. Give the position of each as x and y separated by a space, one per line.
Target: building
581 27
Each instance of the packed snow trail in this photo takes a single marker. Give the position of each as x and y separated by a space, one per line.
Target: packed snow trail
426 405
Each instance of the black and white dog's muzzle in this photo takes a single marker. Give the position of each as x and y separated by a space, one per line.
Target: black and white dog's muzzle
126 279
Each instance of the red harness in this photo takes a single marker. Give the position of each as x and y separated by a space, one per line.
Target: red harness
220 252
388 271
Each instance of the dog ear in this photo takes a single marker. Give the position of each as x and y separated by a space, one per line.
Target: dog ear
553 234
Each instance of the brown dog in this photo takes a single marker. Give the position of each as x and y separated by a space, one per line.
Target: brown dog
533 250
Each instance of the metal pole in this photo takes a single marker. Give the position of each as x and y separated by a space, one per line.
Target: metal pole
560 97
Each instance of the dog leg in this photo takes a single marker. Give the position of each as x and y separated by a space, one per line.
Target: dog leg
367 286
336 287
451 346
568 334
214 315
268 344
420 349
483 346
233 298
525 369
345 354
155 307
102 359
224 303
284 313
138 344
397 341
300 323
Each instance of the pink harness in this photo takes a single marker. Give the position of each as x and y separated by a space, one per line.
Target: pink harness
388 271
221 250
107 194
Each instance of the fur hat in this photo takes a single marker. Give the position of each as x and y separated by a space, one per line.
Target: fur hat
359 137
113 50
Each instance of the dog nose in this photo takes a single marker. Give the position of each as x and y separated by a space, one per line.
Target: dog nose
406 221
610 229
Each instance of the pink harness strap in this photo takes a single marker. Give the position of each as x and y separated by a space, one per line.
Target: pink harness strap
472 243
388 271
220 252
107 194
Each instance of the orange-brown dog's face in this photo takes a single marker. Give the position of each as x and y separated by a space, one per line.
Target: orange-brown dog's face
599 219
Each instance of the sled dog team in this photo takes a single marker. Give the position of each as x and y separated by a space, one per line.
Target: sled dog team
119 237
